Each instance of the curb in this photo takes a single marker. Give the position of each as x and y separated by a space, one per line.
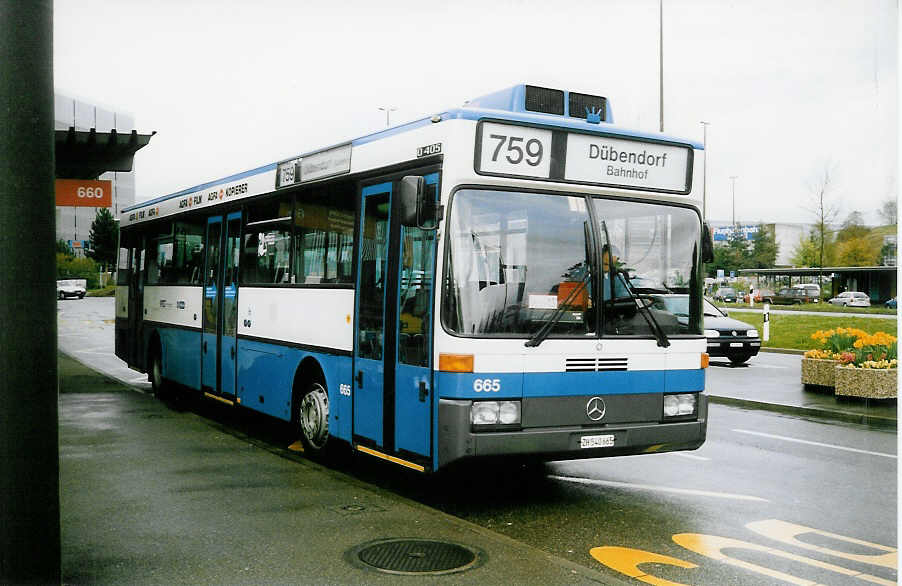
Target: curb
864 419
783 351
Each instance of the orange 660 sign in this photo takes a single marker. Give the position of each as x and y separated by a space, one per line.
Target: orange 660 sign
84 193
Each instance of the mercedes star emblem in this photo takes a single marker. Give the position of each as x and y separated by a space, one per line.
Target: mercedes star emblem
595 408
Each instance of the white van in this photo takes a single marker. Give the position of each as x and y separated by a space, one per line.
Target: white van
811 290
71 288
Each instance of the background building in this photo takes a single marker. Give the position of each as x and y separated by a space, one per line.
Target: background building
73 224
787 236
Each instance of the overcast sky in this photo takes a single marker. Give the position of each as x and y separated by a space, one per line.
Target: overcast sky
789 88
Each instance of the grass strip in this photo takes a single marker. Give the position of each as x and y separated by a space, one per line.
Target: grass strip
794 331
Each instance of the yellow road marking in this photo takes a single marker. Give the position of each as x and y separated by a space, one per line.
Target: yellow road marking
787 533
626 561
712 546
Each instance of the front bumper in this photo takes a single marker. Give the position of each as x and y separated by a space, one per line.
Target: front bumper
730 346
457 441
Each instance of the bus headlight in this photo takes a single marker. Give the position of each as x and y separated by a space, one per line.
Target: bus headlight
495 413
680 405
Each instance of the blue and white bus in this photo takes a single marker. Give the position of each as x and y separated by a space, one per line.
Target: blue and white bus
483 282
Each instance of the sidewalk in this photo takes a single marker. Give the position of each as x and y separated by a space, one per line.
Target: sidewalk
151 495
795 400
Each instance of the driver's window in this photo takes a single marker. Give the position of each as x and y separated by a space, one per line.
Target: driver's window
415 295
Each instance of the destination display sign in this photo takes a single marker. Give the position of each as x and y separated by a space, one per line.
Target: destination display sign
627 163
334 161
515 150
523 151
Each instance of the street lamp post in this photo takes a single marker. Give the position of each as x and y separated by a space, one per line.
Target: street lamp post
387 110
733 179
661 62
705 168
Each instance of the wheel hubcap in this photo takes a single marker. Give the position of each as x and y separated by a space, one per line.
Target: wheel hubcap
314 416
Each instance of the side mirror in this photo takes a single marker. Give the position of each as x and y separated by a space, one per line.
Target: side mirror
707 243
410 198
415 209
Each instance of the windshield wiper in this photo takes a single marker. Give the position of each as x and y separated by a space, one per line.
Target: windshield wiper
543 332
653 324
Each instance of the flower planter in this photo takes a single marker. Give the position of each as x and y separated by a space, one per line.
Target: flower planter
816 371
872 383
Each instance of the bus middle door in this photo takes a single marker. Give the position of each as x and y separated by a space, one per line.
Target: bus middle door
220 308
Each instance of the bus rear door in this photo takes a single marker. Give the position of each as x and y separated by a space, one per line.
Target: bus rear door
135 331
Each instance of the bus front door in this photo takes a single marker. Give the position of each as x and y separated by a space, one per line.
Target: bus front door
392 346
220 309
413 371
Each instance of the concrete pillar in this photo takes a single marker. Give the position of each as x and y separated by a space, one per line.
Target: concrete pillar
29 453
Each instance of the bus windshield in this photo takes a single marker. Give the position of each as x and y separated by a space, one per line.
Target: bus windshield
518 262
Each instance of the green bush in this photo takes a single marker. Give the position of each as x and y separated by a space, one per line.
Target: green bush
73 267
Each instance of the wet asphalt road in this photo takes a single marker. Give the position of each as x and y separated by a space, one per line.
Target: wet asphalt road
778 495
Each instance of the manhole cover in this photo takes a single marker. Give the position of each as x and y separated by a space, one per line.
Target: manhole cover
416 556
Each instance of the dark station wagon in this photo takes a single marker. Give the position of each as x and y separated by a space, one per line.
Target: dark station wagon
794 296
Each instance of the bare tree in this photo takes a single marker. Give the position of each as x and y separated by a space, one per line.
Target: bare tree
824 211
889 211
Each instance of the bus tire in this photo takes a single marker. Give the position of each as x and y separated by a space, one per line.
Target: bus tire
161 389
313 420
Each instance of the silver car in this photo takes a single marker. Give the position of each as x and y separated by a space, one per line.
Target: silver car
71 288
852 299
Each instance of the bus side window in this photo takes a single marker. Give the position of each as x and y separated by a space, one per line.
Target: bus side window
324 235
267 243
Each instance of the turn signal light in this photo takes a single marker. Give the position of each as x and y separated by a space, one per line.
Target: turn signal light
705 360
455 362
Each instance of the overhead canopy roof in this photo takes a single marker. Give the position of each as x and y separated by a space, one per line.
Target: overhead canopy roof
810 271
87 154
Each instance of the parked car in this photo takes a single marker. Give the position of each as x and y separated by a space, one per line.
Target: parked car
761 296
793 296
814 291
71 288
891 303
726 294
728 337
852 299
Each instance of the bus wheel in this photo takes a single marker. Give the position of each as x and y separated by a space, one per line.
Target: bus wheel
313 419
159 386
